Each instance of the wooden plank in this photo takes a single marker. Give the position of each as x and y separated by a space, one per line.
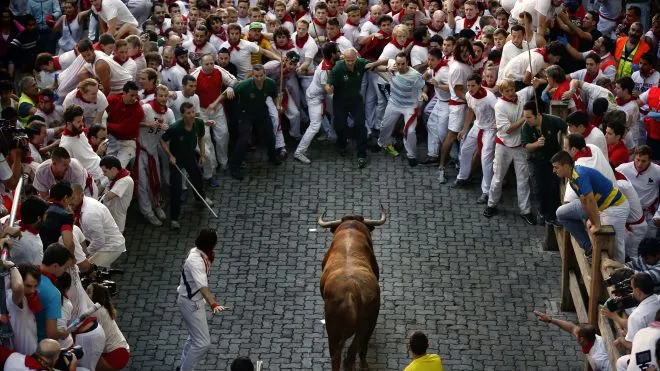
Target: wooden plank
550 243
578 301
609 336
565 250
583 265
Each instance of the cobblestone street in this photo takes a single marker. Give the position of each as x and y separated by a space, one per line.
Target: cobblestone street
469 282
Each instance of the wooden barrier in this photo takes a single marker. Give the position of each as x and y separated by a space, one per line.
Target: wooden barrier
583 283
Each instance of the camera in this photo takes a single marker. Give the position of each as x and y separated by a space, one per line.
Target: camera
103 277
622 290
66 357
643 359
619 275
11 137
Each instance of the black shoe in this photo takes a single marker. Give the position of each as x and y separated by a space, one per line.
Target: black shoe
460 183
490 211
540 219
237 175
529 218
430 160
412 162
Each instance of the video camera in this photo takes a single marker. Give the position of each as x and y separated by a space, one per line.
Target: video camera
103 277
12 137
66 357
622 290
643 359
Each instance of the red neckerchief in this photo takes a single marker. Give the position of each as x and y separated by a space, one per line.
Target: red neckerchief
50 276
234 46
588 130
326 65
69 133
157 107
73 17
621 101
119 61
300 41
98 9
421 43
30 228
146 92
486 85
639 172
373 21
468 23
543 53
257 40
287 18
480 93
348 21
589 77
32 363
222 34
299 14
433 28
198 46
586 348
595 121
514 101
646 76
289 45
562 87
136 56
400 13
396 43
318 23
77 212
122 174
33 302
584 152
339 34
331 13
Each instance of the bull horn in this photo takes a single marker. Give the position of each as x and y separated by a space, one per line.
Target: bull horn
381 221
324 224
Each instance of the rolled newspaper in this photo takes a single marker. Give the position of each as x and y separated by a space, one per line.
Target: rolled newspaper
83 316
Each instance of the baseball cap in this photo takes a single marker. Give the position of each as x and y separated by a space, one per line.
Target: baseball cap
255 26
293 56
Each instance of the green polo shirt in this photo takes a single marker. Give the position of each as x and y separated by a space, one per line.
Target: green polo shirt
184 142
253 100
347 83
551 126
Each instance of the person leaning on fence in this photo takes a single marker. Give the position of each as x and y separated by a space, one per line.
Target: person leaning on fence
642 314
601 201
592 344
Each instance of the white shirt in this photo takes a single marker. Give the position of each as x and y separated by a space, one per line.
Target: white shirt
543 7
90 110
118 206
597 161
343 43
597 138
175 104
458 75
118 74
636 212
114 338
316 91
644 340
598 357
632 113
131 67
418 55
173 76
44 178
100 228
484 109
351 32
581 74
515 69
590 92
194 275
63 322
510 51
195 53
28 249
66 59
369 28
645 183
242 58
506 113
460 26
79 148
150 137
23 325
115 9
642 315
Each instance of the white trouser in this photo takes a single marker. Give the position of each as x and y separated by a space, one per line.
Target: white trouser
616 217
105 258
305 82
275 120
487 157
370 101
315 119
146 200
468 148
390 118
429 107
199 338
437 127
652 230
124 150
93 343
219 132
635 233
292 86
382 92
292 113
211 162
503 157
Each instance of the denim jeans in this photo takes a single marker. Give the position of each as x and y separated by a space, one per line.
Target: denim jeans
572 216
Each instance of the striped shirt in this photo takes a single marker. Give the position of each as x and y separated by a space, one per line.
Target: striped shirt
585 180
637 264
406 88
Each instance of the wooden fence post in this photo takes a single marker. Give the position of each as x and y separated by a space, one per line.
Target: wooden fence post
602 240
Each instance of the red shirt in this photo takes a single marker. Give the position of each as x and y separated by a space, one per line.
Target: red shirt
209 87
123 120
618 154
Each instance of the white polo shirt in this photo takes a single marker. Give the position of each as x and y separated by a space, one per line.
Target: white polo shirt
175 104
90 109
79 148
642 315
115 9
118 206
44 178
100 228
242 58
194 275
644 340
459 73
506 113
484 109
646 183
23 325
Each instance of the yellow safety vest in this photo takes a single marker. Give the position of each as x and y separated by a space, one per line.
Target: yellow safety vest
24 99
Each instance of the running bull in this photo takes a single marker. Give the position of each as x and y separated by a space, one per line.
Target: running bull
349 287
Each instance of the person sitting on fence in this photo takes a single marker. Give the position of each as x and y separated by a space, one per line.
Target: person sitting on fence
593 346
645 341
642 315
600 201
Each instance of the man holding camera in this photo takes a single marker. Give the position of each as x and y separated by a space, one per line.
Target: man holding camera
45 358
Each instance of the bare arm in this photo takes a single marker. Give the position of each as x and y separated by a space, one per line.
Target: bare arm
58 25
52 332
17 291
591 208
460 91
103 73
269 54
515 126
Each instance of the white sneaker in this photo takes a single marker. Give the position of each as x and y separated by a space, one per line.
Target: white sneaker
441 176
302 158
154 221
160 213
174 225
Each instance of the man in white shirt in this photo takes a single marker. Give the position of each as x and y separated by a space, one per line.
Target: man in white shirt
591 72
62 167
75 142
187 94
106 243
514 47
645 178
22 286
518 68
623 90
119 193
119 20
46 355
240 51
578 123
90 98
592 344
644 342
28 249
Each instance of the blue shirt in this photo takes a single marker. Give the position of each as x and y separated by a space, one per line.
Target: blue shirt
405 88
51 302
585 180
